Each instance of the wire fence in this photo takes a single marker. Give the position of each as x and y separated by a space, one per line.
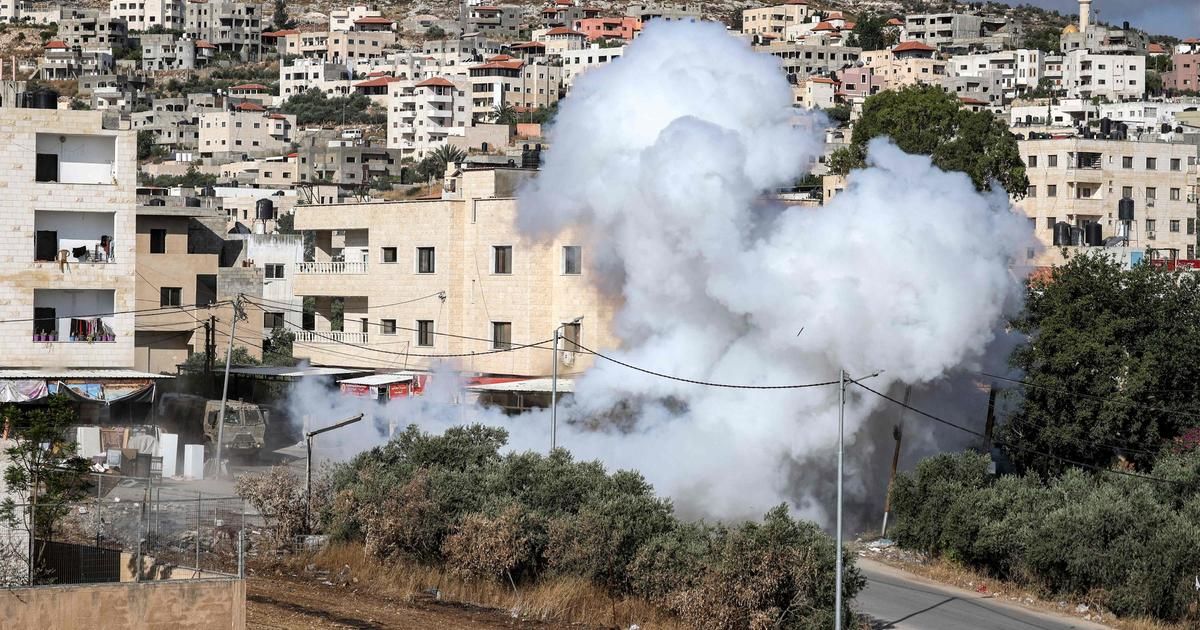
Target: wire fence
128 530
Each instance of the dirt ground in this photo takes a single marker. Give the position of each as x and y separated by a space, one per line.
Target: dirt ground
279 602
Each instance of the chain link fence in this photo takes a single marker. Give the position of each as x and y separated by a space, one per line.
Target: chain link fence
130 529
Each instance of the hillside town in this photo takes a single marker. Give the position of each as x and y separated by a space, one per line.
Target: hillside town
235 202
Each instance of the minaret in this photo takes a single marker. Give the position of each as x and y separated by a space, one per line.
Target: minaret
1085 14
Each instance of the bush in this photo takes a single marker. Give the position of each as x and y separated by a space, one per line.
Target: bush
1128 543
278 495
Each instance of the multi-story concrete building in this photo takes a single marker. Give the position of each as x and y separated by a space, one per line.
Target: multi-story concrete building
560 39
423 114
361 42
503 81
566 13
62 62
1112 77
277 257
232 26
942 29
576 62
68 254
90 28
349 164
302 75
985 88
1184 75
803 59
1078 181
1019 70
343 19
168 52
772 20
1148 115
247 130
623 28
496 21
449 276
908 63
143 15
664 11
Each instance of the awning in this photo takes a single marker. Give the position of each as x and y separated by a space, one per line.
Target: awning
288 373
378 379
395 385
527 386
106 393
22 390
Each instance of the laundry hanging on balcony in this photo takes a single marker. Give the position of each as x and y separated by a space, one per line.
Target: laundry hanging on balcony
22 390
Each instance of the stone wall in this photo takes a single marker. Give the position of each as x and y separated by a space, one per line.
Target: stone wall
177 605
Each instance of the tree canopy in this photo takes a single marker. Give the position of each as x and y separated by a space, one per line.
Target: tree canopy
1109 364
925 120
1046 39
869 33
313 107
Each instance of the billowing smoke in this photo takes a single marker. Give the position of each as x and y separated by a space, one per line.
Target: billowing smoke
663 158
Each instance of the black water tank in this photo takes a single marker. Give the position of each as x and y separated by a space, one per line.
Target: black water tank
208 191
1094 234
45 99
1179 130
156 202
1076 235
1106 125
1166 128
264 209
1125 209
1062 233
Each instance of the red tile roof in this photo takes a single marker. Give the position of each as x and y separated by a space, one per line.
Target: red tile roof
500 65
499 58
435 82
203 43
822 80
284 33
1156 48
277 116
966 100
1191 40
250 107
254 87
895 22
562 30
54 43
824 26
525 45
376 82
913 45
835 15
849 26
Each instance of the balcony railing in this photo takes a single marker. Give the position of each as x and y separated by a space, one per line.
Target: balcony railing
330 336
328 268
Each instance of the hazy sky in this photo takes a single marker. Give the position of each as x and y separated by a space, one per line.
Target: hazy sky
1180 18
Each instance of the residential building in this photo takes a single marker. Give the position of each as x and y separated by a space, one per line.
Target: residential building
1184 75
277 257
90 28
178 242
624 28
423 114
302 75
1079 181
169 52
800 60
566 13
908 63
343 19
668 12
68 254
1148 115
278 172
498 21
774 19
247 130
942 29
448 276
983 90
232 26
815 92
369 38
1049 113
857 83
349 164
1019 70
61 62
1112 77
576 62
560 39
143 15
1102 40
503 81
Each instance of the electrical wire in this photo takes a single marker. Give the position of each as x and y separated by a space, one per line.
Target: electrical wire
699 382
1114 401
1017 446
148 312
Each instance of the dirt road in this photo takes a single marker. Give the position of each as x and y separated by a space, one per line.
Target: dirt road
286 603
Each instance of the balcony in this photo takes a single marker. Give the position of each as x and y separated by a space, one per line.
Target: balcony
330 268
330 336
73 237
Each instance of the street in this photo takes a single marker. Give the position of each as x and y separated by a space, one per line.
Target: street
896 600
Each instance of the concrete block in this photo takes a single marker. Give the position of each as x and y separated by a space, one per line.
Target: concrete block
87 442
168 450
193 461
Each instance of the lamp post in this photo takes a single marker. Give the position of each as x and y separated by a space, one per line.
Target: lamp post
554 384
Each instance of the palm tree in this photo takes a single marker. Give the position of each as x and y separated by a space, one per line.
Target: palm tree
505 115
434 164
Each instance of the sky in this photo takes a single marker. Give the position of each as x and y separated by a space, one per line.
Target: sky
1180 18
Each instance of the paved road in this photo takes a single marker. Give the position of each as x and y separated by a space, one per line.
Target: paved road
901 601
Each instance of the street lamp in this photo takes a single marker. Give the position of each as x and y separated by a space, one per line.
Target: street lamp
554 384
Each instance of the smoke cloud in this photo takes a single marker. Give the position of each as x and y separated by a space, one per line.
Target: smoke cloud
663 158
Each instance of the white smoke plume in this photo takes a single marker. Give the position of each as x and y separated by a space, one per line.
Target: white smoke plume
663 157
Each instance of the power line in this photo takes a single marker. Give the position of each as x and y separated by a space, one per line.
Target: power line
1017 446
148 312
1128 403
699 382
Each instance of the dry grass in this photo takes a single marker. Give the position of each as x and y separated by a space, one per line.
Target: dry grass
556 600
955 574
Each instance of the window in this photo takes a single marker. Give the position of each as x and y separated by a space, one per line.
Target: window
1033 161
1191 227
1127 192
572 260
170 296
425 260
1051 190
1174 164
1052 160
1151 192
570 337
158 241
1173 225
1050 221
1149 225
1151 164
1031 191
274 270
388 326
425 332
389 254
1127 162
272 320
502 259
501 335
1174 194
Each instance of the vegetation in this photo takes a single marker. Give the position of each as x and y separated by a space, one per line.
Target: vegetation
435 32
1045 39
1127 544
1132 330
453 501
870 33
433 167
925 120
192 179
241 356
314 108
279 15
278 350
43 470
147 147
839 113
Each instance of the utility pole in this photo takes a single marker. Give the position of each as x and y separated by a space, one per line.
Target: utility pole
208 349
990 424
837 613
554 385
308 442
237 314
897 434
